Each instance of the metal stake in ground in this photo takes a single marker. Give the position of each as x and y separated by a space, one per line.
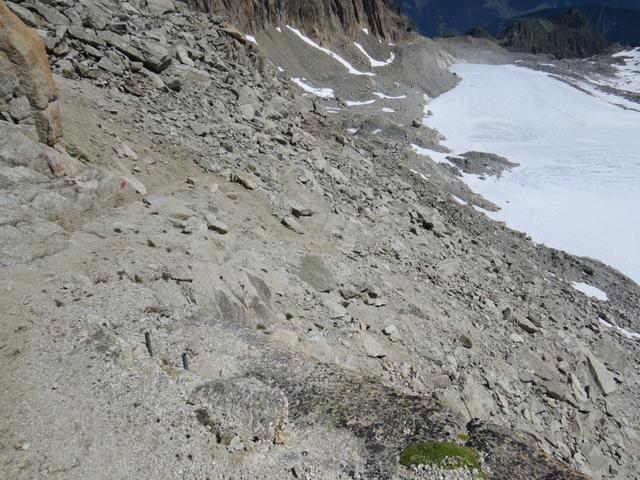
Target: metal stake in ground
147 342
185 361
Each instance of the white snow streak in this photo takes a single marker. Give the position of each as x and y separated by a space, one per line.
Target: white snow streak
420 174
382 95
355 103
251 38
373 61
333 55
622 331
388 110
437 156
590 291
318 92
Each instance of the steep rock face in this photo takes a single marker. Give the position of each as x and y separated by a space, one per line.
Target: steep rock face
569 34
321 18
27 92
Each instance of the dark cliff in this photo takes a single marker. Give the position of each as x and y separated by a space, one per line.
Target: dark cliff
570 34
320 18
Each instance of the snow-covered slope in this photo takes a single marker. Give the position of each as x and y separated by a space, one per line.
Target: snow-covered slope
628 77
578 186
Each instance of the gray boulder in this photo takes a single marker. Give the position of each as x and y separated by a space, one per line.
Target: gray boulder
242 409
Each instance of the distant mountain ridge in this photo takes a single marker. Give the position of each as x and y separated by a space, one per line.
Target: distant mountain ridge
616 24
617 19
567 34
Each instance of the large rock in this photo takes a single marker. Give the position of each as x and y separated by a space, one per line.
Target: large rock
314 271
19 150
242 408
158 7
24 71
153 55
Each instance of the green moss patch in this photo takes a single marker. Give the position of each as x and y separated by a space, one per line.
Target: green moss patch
446 455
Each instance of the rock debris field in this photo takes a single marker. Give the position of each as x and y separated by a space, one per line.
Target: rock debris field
204 275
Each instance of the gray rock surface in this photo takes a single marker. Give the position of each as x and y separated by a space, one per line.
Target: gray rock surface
154 230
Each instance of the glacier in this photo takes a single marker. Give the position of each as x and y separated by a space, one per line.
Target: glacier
578 184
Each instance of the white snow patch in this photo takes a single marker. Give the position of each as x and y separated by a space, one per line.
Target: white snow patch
251 38
482 210
578 182
352 131
333 55
365 30
377 131
355 103
590 291
280 69
458 200
420 174
437 156
318 92
388 110
628 75
382 95
279 30
373 61
623 331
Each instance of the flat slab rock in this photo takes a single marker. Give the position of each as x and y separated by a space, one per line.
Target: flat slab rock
241 407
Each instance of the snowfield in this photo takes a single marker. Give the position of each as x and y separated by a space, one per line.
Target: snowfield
578 186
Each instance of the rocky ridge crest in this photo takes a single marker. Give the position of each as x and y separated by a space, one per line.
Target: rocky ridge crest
323 19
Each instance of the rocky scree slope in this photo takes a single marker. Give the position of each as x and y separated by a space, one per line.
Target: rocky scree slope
206 278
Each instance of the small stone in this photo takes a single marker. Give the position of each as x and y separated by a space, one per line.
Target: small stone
183 56
20 108
292 224
371 347
216 225
392 332
128 152
110 66
516 337
465 341
200 129
300 211
247 112
525 376
244 180
526 324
